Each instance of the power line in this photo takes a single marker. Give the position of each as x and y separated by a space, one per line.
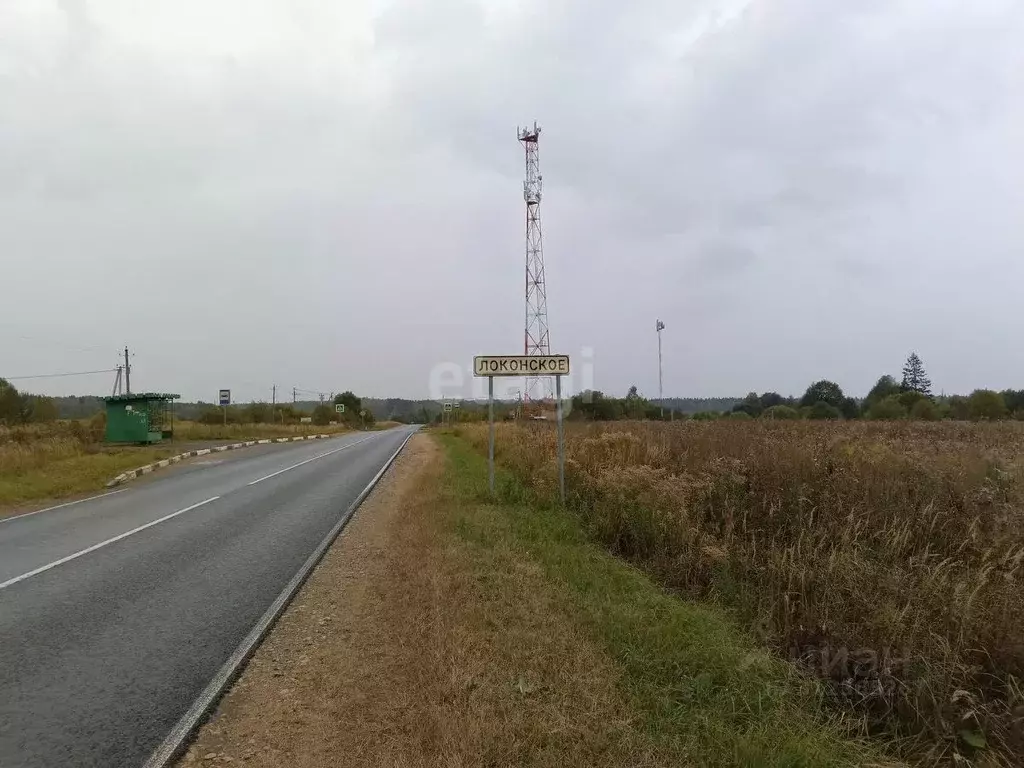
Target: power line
55 375
62 344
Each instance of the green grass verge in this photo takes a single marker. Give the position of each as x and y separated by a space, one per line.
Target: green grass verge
76 474
704 690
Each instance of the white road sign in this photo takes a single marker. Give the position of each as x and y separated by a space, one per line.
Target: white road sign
521 365
339 408
446 407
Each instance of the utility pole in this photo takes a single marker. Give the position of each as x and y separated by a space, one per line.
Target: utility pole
293 395
127 374
273 406
659 327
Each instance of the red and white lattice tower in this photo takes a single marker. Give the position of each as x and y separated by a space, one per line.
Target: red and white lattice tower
536 339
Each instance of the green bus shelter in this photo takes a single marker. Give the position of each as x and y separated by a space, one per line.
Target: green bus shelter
147 417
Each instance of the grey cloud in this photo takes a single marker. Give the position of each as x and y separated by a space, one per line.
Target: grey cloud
324 184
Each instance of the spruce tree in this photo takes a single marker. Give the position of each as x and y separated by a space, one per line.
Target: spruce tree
914 377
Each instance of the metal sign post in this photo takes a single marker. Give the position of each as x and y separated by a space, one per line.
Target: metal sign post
561 440
524 365
490 448
225 401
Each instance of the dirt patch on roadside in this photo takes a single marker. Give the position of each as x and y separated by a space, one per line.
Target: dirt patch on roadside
409 647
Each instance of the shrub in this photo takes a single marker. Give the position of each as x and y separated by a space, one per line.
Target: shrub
959 408
823 410
323 415
888 409
984 404
780 412
98 427
910 398
925 410
705 415
211 416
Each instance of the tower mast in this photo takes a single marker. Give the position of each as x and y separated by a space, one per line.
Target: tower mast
536 338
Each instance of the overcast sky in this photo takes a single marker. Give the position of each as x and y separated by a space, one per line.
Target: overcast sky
328 194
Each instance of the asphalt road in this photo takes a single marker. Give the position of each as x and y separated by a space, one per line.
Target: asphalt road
116 612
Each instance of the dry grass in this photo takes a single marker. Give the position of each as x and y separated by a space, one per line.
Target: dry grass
30 447
63 458
885 558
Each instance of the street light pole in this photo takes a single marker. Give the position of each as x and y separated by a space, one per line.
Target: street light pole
659 327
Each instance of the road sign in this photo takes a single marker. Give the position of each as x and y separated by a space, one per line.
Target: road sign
225 397
457 405
447 406
339 408
521 365
305 419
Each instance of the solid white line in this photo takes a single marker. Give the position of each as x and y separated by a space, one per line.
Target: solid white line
319 456
94 547
59 506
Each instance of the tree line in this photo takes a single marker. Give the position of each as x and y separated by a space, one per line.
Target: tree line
909 397
19 408
260 412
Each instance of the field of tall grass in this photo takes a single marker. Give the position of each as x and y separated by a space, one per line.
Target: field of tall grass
883 558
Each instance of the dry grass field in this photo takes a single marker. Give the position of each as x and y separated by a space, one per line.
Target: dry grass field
58 459
883 558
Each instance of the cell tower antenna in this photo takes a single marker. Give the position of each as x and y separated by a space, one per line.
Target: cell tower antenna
536 338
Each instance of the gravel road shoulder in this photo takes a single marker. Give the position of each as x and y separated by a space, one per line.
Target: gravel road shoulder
410 646
305 688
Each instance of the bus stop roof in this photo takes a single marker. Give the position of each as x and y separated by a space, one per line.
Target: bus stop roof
137 396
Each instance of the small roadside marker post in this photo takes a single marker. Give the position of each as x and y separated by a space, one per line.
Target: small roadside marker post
523 365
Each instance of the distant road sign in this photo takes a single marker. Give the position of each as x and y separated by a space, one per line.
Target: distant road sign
305 419
521 365
457 404
339 408
225 397
447 406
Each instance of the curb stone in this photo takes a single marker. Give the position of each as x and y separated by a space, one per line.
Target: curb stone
131 474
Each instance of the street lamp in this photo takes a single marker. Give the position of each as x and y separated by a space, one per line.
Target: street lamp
659 327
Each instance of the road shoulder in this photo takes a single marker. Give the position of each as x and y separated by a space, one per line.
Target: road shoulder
410 645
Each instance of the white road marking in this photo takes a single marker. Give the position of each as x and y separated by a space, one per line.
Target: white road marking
59 506
94 547
319 456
